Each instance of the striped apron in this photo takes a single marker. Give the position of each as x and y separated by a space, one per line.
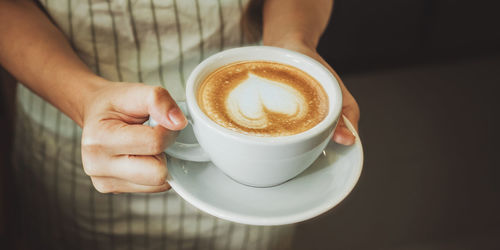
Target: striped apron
156 42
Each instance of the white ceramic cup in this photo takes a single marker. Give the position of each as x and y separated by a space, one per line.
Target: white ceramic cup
253 160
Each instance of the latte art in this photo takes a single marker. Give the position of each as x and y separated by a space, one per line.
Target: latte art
263 98
255 99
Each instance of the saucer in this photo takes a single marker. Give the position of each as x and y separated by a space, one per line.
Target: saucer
316 190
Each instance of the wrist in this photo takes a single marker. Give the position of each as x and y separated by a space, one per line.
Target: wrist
88 88
297 46
291 41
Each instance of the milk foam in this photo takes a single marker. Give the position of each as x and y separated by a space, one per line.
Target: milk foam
249 103
263 98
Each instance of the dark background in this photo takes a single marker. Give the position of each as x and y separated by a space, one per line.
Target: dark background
426 76
371 35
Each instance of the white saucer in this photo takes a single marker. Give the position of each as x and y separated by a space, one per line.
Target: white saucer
316 190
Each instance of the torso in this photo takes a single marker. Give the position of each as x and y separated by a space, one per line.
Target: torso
150 41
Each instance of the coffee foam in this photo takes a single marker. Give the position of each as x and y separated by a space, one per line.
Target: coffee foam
263 98
255 99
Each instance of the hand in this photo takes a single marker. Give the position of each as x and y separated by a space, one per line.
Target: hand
350 107
118 152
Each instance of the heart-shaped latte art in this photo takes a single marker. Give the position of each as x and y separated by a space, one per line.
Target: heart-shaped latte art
253 101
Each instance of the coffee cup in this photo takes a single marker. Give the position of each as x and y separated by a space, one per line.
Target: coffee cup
250 159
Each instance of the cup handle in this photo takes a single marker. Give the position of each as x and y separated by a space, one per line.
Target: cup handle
187 152
190 150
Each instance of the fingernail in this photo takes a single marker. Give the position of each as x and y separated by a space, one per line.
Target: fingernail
345 136
176 116
350 137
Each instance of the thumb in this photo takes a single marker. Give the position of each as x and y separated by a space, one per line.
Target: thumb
140 100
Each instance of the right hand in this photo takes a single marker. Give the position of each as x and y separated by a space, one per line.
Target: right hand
119 153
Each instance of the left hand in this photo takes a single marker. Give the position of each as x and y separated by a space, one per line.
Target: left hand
350 107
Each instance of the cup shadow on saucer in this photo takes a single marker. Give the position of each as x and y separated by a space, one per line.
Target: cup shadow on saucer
331 154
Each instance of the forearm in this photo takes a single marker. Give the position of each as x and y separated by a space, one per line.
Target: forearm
297 21
37 54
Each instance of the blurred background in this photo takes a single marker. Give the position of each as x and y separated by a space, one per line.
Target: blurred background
426 76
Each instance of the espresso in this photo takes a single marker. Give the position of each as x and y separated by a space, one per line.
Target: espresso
263 98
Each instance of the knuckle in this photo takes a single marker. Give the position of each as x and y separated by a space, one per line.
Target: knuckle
104 185
91 143
89 169
151 173
156 145
160 179
159 175
159 93
163 188
90 166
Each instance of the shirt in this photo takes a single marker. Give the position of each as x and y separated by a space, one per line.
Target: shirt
156 42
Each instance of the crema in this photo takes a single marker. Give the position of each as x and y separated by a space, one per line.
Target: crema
263 98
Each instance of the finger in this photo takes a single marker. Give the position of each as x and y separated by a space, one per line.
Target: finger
350 106
343 135
352 115
141 170
351 111
116 137
141 100
114 185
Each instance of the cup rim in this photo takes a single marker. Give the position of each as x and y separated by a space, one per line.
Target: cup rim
335 98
